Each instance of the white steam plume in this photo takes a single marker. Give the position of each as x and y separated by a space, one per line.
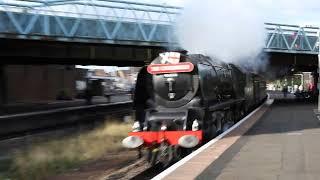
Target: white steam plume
230 30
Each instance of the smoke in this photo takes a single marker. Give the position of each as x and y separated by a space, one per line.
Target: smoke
230 30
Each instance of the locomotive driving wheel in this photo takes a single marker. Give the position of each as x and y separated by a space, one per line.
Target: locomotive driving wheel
228 121
242 112
163 154
166 154
152 156
239 114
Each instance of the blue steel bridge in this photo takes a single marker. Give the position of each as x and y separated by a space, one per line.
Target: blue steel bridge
96 27
89 21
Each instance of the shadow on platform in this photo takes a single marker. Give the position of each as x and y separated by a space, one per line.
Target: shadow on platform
288 123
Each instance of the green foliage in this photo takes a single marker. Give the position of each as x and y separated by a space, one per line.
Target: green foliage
46 159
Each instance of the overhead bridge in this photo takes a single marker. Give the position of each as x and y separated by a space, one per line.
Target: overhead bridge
104 31
95 21
292 39
111 31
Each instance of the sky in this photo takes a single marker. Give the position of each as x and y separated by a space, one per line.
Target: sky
105 68
291 11
297 12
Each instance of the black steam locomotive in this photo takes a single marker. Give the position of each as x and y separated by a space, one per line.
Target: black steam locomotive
182 101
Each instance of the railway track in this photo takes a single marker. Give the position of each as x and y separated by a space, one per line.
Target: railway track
27 124
141 171
137 170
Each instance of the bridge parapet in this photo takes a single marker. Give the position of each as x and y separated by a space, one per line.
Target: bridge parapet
292 39
123 22
92 21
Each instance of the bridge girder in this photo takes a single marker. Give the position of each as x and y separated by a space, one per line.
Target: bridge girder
98 24
89 21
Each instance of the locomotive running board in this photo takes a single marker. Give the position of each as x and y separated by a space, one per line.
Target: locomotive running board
246 125
226 104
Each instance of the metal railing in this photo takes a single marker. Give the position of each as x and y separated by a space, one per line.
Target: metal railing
292 39
102 21
123 22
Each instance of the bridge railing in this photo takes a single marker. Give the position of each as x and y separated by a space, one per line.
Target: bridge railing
292 39
123 22
96 9
103 21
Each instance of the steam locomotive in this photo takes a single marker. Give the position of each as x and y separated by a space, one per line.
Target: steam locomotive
182 101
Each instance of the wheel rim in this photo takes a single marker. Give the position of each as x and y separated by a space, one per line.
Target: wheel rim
229 122
166 154
227 125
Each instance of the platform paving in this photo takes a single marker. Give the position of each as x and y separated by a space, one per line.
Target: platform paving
283 145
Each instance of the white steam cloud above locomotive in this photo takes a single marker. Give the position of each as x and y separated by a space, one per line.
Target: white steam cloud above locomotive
230 30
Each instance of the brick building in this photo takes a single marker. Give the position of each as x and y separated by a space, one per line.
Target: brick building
35 83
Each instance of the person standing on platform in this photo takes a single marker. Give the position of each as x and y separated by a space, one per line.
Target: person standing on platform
88 95
285 91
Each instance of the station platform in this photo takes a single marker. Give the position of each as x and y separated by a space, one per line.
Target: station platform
280 141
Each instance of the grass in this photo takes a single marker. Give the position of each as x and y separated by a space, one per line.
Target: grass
46 159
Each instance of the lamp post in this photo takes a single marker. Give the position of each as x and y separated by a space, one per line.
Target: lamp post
317 111
318 71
